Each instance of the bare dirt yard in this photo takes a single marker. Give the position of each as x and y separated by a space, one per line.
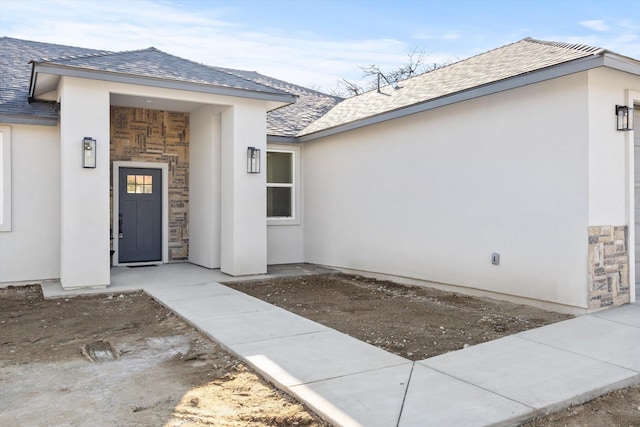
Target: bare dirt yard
150 368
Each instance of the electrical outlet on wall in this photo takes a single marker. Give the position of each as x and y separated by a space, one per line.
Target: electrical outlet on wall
495 258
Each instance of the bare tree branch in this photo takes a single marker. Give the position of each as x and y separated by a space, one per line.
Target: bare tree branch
414 66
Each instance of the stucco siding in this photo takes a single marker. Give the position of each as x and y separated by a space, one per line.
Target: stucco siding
431 196
204 187
31 250
284 244
608 166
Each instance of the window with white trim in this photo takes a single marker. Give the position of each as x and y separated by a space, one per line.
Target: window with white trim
280 184
5 178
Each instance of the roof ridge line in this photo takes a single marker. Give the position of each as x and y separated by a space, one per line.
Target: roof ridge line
86 55
230 71
201 64
564 45
448 65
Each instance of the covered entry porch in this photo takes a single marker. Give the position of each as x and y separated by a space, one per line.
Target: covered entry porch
212 211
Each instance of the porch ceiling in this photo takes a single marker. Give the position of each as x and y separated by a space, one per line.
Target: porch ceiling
153 103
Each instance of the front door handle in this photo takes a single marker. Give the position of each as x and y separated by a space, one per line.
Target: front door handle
120 233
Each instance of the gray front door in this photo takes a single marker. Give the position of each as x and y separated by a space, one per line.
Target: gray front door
140 216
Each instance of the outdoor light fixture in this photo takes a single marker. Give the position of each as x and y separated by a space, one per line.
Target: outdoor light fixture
253 160
88 152
624 118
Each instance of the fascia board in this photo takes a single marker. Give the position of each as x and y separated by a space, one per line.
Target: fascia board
282 139
549 73
158 82
28 120
622 63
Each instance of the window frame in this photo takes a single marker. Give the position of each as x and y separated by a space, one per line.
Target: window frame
294 219
5 178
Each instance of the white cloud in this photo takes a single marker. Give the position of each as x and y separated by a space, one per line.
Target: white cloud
203 36
621 37
217 35
447 36
596 25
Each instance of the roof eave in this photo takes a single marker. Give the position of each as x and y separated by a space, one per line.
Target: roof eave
278 139
58 70
28 120
622 63
571 67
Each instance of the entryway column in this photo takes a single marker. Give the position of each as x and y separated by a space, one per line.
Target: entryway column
84 112
243 195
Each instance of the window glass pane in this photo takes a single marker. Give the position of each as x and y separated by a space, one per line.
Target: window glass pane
279 201
279 168
140 184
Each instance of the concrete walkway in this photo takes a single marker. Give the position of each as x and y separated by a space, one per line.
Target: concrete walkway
351 383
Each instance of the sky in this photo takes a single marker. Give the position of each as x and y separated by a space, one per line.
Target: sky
315 43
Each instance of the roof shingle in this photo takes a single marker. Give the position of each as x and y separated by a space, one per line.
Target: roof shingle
289 120
499 64
15 70
154 63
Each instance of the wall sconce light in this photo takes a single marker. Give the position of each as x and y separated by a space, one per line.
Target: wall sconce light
253 160
88 152
624 118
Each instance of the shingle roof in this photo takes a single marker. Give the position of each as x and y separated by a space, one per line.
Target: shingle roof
15 72
289 120
313 112
499 64
154 63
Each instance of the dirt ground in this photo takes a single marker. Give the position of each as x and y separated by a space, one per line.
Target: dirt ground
410 321
153 369
417 323
163 372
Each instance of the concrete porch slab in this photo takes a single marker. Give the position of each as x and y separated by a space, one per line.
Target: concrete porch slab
174 275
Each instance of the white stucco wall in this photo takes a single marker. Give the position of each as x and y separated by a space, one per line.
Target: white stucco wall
243 195
85 240
284 244
433 195
608 148
204 187
31 250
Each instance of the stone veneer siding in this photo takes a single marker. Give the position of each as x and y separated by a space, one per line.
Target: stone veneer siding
143 135
608 267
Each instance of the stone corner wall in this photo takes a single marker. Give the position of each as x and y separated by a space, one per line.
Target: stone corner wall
608 267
